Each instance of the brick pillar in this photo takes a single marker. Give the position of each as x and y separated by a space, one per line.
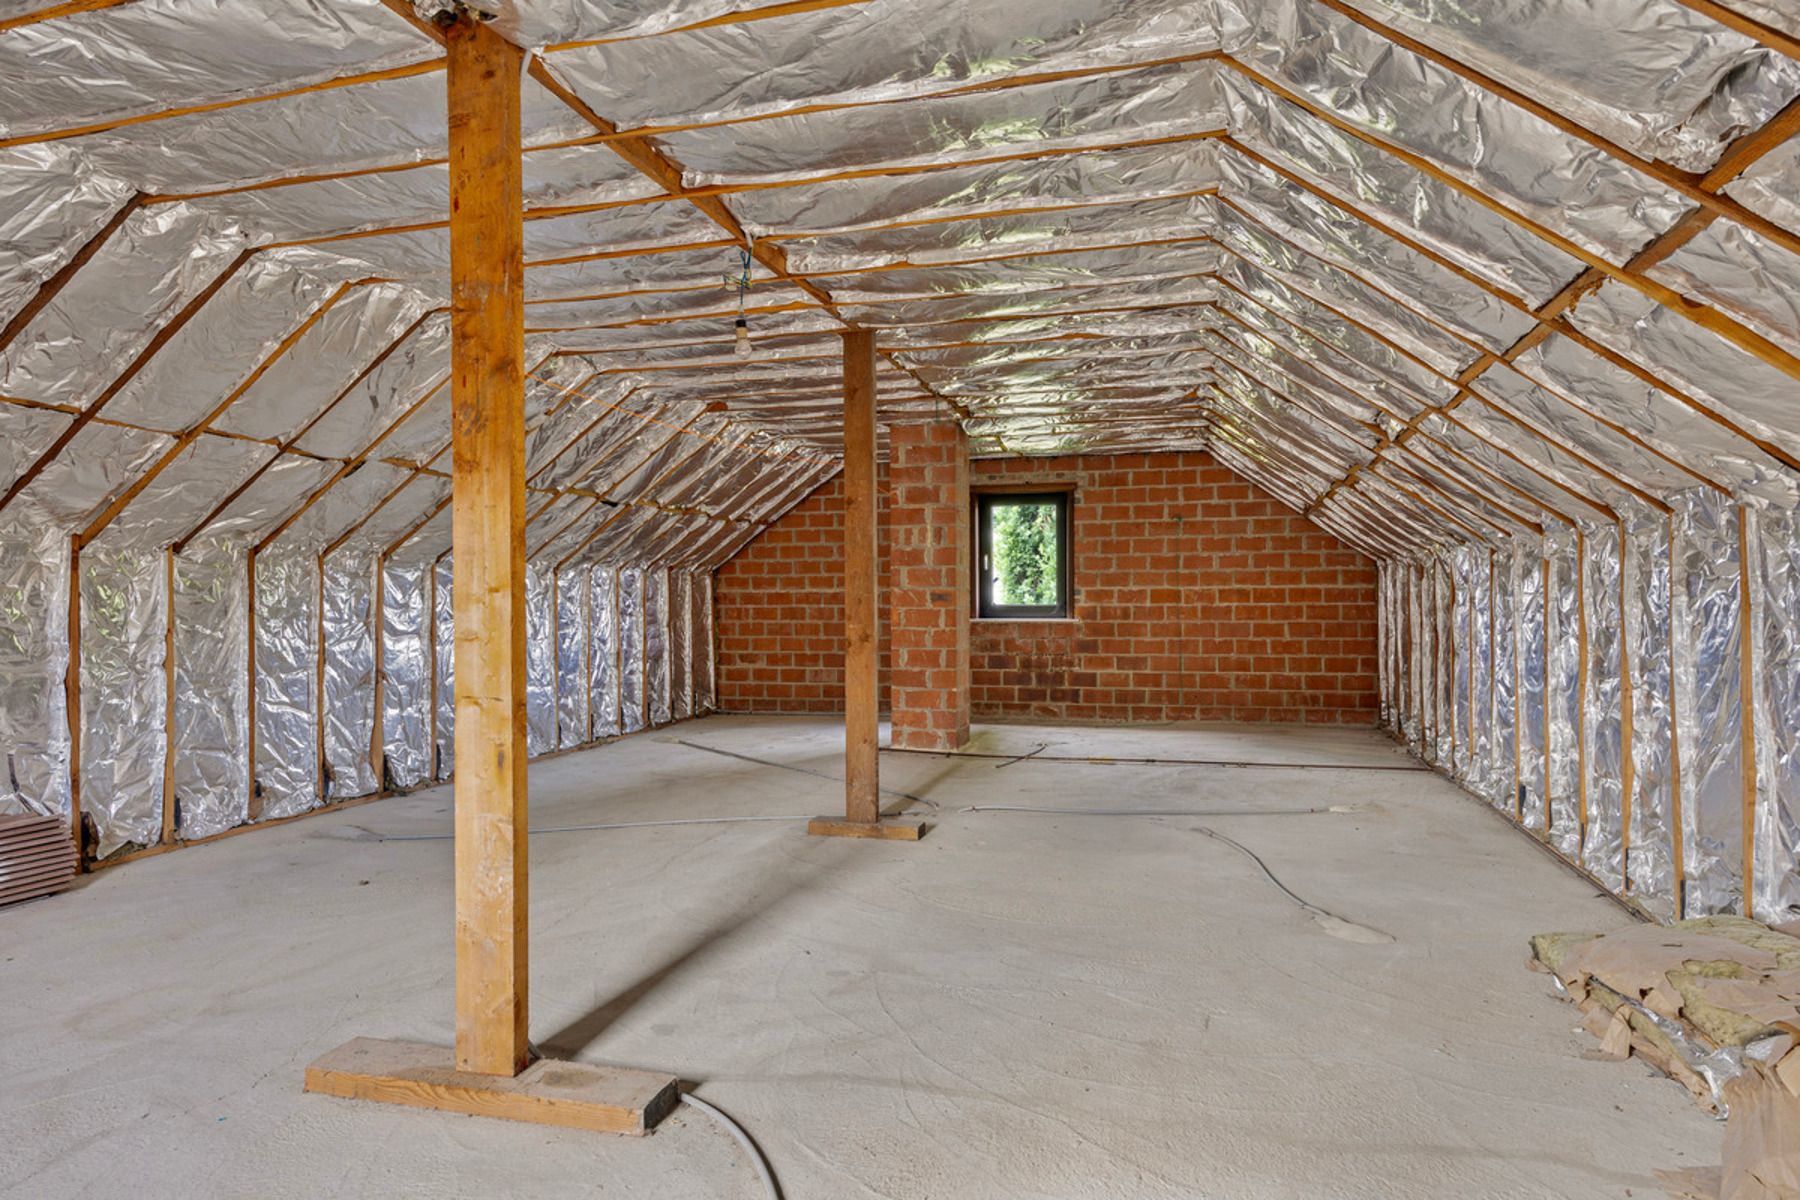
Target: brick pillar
928 596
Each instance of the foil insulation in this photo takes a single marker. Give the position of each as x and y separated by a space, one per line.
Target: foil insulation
1503 785
1530 581
124 598
1563 696
1706 624
603 660
540 662
347 623
443 648
574 599
406 671
211 747
1650 867
1445 644
1775 626
706 698
288 763
633 705
1480 770
658 677
1603 708
681 646
34 658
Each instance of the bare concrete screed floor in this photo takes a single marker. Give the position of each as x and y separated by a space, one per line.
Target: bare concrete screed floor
1021 1005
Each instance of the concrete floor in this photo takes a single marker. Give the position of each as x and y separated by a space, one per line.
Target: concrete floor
1018 1006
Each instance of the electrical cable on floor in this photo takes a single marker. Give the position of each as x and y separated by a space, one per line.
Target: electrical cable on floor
743 1139
763 762
1330 922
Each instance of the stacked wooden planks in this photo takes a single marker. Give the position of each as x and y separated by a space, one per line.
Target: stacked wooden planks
37 856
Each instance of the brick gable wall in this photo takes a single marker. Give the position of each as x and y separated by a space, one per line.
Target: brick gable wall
1198 596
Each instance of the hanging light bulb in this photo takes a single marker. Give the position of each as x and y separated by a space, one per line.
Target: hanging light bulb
741 281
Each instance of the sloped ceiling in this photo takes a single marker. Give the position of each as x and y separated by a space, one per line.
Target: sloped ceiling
1431 273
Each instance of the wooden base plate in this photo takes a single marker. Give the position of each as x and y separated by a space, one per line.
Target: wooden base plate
572 1094
892 831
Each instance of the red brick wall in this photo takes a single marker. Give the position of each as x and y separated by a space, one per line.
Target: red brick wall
1197 596
928 600
778 611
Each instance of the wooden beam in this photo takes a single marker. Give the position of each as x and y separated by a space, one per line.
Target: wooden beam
1740 335
161 337
68 8
571 1094
188 110
72 701
487 316
47 291
1769 36
862 666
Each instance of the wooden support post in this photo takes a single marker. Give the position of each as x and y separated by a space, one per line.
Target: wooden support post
487 396
862 664
862 728
72 703
490 1071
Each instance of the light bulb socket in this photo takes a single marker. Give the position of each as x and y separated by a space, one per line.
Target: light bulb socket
742 337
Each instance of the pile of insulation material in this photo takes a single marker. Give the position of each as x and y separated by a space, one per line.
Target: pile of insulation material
1713 1003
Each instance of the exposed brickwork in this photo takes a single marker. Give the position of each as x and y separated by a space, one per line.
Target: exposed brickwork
778 611
928 600
1197 596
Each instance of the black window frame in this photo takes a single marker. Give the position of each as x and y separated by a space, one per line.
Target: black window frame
985 609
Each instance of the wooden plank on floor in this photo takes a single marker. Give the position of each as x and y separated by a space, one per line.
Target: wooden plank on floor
574 1095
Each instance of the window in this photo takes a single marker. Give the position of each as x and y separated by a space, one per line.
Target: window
1022 568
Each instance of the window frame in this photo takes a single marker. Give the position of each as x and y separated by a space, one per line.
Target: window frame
1063 497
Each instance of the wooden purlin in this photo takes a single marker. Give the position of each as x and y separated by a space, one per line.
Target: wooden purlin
287 445
1739 334
1547 324
1688 184
1464 393
188 110
194 432
67 8
1321 501
1548 318
51 287
167 331
1774 39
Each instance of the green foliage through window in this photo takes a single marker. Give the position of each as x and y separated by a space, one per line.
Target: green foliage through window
1024 541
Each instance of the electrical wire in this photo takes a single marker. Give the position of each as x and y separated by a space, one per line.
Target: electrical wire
730 1126
763 762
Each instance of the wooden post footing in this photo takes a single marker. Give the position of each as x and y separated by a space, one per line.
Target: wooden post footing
575 1095
891 831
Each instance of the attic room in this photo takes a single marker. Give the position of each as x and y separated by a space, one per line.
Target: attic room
900 599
